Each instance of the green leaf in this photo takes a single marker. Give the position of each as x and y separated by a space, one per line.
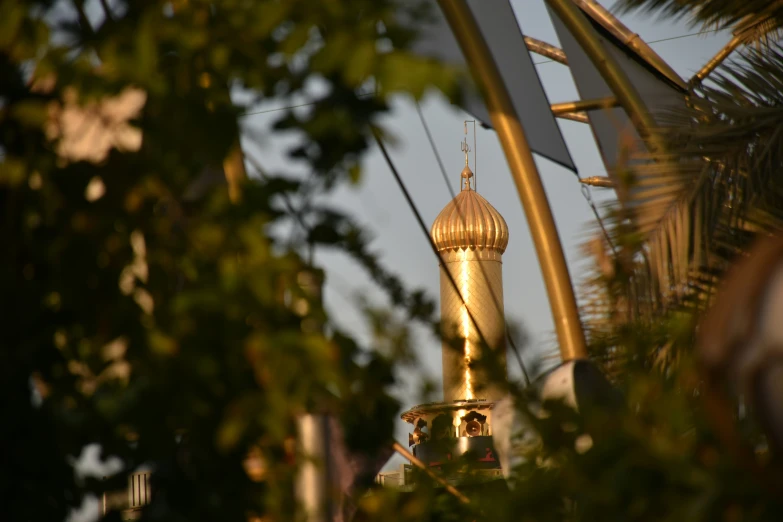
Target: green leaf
358 66
355 173
12 14
32 113
12 172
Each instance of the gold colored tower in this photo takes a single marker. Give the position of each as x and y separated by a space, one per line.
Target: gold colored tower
470 236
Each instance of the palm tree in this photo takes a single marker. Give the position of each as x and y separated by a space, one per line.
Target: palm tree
749 19
686 214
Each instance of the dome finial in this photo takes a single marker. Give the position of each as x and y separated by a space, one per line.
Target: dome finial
469 222
466 172
466 175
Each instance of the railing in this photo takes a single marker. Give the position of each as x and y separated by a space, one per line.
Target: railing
130 501
139 490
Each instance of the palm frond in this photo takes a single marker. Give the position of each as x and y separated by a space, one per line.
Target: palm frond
724 13
685 215
761 30
753 21
722 179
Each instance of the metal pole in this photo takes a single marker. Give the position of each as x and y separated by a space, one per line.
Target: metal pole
312 478
434 476
627 96
601 15
581 117
547 50
715 61
313 487
234 169
558 109
528 182
475 153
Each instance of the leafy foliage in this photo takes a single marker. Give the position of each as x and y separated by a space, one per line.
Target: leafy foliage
151 312
688 214
146 310
752 20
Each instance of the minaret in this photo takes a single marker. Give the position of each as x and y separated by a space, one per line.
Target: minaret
470 236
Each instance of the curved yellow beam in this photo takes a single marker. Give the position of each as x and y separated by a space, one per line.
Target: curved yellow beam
528 182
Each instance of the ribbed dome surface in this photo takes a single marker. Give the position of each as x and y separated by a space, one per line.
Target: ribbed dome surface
469 222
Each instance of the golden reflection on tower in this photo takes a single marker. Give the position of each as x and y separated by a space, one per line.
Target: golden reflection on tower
470 236
466 334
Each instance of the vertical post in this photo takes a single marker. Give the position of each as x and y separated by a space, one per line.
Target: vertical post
312 484
313 474
719 58
475 152
526 177
234 169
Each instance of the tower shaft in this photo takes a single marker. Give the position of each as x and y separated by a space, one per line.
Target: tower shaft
474 321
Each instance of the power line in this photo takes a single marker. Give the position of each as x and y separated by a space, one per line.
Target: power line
365 94
657 41
434 150
684 36
360 95
282 108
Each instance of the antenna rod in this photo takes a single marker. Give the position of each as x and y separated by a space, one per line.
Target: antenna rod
475 152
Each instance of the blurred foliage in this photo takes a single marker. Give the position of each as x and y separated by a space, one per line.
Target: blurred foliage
146 312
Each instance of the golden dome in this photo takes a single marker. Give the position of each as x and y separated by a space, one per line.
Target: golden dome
469 222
